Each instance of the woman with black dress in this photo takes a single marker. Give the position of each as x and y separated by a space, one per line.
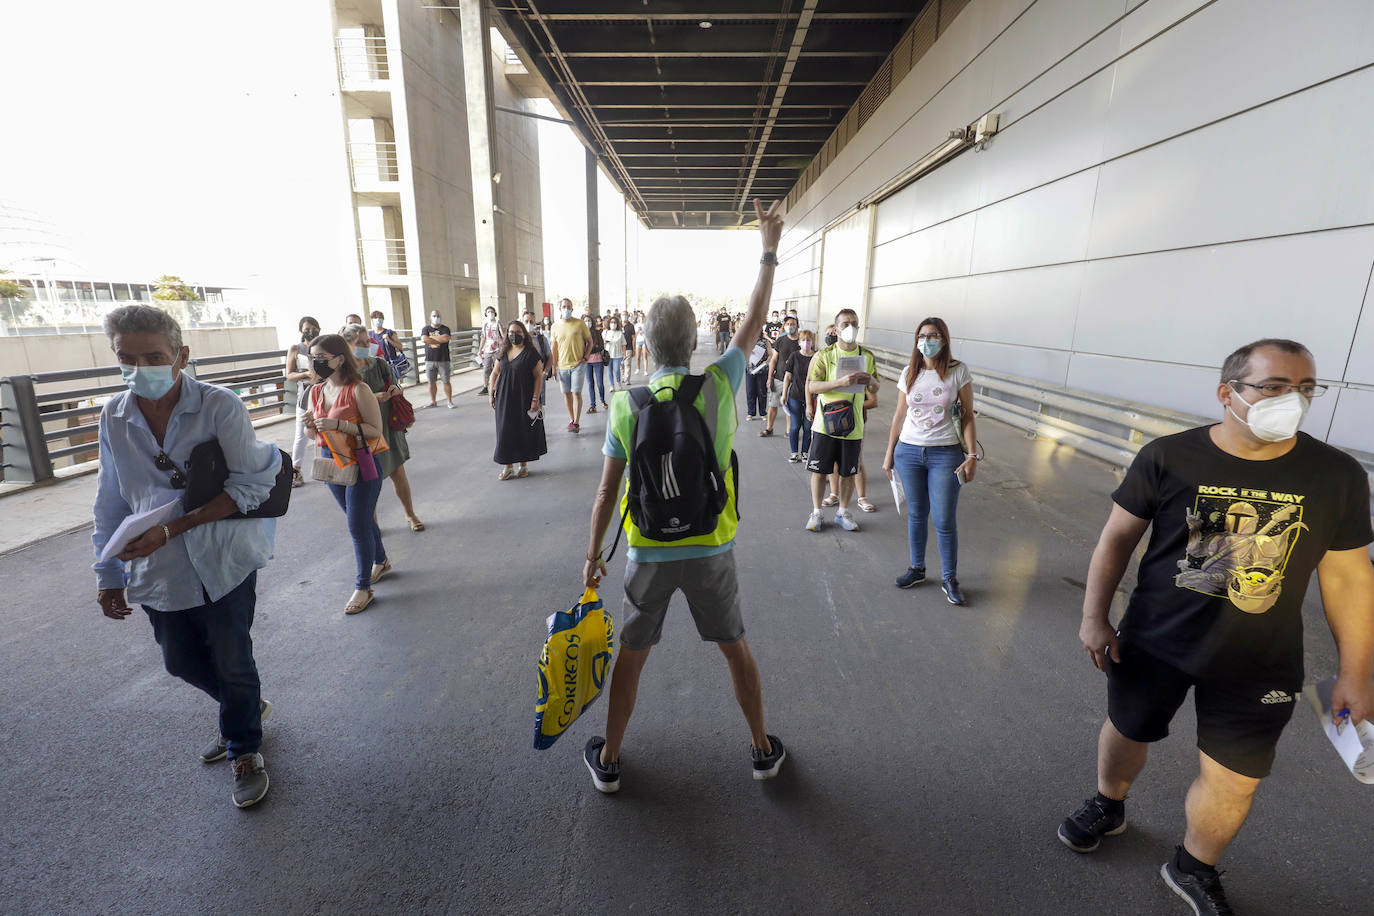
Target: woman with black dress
515 384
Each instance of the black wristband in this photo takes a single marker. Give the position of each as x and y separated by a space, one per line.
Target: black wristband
769 259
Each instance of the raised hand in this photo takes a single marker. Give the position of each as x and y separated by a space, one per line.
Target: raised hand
770 223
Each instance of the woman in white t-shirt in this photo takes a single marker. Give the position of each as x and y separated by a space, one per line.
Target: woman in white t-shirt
924 450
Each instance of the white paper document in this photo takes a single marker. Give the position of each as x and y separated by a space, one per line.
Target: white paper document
138 523
845 365
1354 742
898 494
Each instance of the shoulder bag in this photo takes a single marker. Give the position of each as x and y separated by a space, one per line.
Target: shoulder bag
207 471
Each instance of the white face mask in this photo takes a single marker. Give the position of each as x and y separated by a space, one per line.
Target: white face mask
849 334
1274 419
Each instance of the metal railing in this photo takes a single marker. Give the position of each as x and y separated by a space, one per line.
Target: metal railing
373 161
55 416
382 256
361 59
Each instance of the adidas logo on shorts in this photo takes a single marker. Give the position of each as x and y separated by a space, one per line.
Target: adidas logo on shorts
1276 696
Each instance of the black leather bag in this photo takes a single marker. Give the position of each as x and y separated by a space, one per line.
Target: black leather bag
206 473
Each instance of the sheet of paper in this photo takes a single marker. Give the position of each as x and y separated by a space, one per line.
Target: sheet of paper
1354 743
898 494
845 365
138 523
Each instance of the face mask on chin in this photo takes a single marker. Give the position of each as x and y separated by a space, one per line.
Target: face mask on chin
1274 419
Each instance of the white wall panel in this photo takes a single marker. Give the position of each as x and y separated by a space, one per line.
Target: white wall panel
1350 426
1208 301
1273 170
1044 226
1191 389
949 191
1044 365
1361 363
1049 30
898 308
940 251
1029 308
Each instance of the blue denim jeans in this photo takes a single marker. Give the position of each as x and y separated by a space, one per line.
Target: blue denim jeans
596 381
799 428
209 647
359 503
615 370
927 474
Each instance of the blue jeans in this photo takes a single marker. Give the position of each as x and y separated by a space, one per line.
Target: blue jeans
927 474
596 380
209 647
799 428
359 503
615 369
756 393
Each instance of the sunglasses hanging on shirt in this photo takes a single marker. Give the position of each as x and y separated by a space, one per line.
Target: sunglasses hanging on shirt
164 463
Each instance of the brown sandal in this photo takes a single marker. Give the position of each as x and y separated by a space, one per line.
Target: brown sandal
381 570
353 607
416 524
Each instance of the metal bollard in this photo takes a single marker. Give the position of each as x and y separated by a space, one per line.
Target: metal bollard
26 451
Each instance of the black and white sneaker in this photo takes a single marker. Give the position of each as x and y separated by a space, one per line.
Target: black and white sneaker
911 577
953 593
767 763
1203 893
1083 830
605 776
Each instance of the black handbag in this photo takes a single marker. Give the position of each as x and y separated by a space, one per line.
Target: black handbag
206 473
837 418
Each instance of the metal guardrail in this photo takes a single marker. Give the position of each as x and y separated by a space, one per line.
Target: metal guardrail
362 59
54 416
373 161
382 256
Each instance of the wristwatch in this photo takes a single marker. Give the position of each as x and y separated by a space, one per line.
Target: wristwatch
769 259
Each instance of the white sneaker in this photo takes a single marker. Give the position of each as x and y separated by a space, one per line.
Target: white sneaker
843 519
794 457
814 523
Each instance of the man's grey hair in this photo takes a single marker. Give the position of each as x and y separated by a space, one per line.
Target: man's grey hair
671 330
142 319
351 332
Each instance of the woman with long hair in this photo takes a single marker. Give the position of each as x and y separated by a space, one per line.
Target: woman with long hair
614 339
596 364
298 371
377 374
343 413
925 451
516 382
794 375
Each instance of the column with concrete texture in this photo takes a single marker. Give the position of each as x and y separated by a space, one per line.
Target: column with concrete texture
477 77
593 240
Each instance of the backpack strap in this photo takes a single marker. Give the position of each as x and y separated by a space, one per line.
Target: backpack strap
690 388
641 397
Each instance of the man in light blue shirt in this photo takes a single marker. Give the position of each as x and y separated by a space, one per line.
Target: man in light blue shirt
195 576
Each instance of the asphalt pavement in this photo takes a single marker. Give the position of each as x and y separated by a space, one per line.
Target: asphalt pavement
933 750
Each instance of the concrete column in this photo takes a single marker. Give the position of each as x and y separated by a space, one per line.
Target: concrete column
477 79
593 241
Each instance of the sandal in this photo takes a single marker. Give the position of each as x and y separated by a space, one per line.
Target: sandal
379 570
415 524
523 472
765 432
297 480
355 606
831 500
866 504
506 474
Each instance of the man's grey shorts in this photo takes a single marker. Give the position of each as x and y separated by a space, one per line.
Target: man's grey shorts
436 371
574 379
710 585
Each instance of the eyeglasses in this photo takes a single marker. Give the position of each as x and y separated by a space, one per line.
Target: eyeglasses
1276 389
165 463
929 337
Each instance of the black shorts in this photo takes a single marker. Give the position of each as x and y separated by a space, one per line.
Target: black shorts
828 454
1238 723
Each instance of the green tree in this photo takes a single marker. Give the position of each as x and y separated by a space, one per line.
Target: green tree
171 288
10 289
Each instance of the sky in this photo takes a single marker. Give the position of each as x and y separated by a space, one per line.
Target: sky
169 137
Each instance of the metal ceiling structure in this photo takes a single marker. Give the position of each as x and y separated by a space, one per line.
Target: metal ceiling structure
695 107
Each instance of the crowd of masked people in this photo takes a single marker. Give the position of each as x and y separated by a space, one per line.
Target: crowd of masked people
1240 512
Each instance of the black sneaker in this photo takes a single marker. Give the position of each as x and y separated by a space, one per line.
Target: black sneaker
1203 894
250 780
767 763
912 576
483 392
1083 830
605 776
218 748
953 592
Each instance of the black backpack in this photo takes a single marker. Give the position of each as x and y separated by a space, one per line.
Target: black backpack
676 488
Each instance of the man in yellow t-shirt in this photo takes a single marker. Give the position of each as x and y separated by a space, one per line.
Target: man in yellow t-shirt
571 341
837 433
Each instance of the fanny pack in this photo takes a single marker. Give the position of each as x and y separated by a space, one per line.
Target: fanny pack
837 418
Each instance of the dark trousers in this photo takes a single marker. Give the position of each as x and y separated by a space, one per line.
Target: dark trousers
756 393
210 647
359 503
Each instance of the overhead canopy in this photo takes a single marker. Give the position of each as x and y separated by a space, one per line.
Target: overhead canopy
694 107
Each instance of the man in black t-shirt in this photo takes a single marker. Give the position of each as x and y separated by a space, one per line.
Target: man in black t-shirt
783 348
438 361
1241 513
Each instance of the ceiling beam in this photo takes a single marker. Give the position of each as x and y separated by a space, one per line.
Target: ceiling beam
808 11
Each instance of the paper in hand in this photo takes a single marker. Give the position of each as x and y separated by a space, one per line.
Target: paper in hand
138 523
898 494
1354 741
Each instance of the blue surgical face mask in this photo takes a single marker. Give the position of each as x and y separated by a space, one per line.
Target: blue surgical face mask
930 348
151 382
361 352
